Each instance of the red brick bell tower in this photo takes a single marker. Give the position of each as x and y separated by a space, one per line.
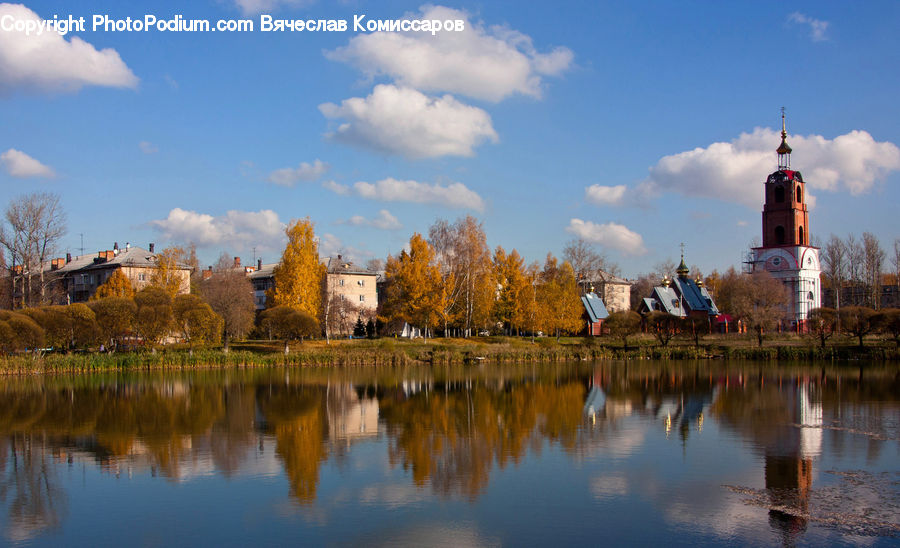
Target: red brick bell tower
785 217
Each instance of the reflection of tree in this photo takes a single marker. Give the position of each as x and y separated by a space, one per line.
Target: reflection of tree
233 431
30 484
296 415
452 438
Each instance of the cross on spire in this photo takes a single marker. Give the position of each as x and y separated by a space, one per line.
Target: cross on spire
784 151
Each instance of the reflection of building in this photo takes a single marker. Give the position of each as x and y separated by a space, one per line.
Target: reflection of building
350 416
785 252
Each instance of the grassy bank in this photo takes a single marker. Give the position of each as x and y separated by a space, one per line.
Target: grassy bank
400 352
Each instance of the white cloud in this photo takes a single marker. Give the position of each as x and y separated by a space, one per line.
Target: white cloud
148 148
735 171
611 235
384 221
484 63
336 187
304 172
455 195
254 7
330 245
605 195
20 165
403 121
49 62
817 28
234 228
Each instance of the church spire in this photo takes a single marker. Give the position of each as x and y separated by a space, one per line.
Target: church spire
682 270
784 151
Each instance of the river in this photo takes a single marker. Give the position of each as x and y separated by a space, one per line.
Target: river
611 453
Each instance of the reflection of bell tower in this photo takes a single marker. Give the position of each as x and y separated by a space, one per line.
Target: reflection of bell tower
789 480
785 252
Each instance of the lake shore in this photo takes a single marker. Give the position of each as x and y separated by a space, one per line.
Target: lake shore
397 352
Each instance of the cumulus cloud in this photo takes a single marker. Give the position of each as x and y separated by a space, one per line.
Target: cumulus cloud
735 171
254 7
290 176
18 164
330 245
49 62
605 195
484 63
403 121
148 148
455 195
612 235
817 28
234 228
384 221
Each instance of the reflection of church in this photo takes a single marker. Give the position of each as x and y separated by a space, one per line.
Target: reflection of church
785 252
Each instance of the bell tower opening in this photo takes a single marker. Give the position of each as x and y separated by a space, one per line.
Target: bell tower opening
779 194
802 241
779 235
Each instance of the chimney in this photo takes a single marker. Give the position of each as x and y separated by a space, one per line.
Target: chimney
55 264
339 257
258 264
237 262
116 248
207 274
68 258
151 247
127 246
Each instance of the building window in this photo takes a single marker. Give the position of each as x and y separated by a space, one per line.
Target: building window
362 283
142 277
341 282
342 297
801 236
779 235
362 298
799 194
779 194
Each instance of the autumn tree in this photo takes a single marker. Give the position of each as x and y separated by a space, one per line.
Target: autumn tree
288 323
153 319
834 263
230 294
858 321
414 292
115 318
821 323
34 224
298 277
170 272
511 307
195 320
889 322
464 262
117 285
873 261
663 326
759 300
621 325
694 328
589 264
19 332
559 306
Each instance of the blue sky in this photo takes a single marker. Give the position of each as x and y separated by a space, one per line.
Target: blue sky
636 126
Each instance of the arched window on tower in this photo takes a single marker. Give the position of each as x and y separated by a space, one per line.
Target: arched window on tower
799 195
779 235
802 241
779 194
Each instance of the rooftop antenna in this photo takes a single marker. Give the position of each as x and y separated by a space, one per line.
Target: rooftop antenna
82 243
254 254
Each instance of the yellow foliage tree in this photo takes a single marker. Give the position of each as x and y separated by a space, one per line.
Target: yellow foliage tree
414 292
298 277
117 285
559 307
514 295
169 275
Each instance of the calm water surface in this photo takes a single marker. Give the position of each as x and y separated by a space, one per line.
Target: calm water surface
589 454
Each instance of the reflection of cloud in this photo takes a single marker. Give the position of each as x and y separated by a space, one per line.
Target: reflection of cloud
392 495
609 486
433 534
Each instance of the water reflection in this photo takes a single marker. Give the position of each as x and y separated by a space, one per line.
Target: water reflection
448 430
